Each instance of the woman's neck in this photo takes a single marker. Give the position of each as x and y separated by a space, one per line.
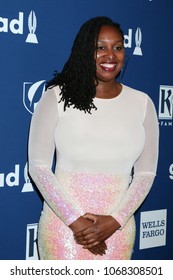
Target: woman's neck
108 90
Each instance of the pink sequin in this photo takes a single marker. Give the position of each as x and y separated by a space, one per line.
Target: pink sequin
96 193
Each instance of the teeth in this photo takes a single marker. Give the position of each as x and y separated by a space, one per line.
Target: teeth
108 65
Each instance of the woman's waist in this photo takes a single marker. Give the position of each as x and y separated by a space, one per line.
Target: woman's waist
89 180
93 191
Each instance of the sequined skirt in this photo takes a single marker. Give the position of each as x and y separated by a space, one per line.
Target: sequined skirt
94 193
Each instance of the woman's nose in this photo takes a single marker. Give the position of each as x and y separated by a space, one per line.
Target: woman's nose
111 53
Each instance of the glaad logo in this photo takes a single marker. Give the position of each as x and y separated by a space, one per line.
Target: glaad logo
11 179
16 26
31 242
27 187
153 229
32 24
171 171
165 105
32 93
138 41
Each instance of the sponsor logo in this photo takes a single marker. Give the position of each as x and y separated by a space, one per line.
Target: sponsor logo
32 93
31 242
165 113
16 26
153 229
11 179
171 171
138 40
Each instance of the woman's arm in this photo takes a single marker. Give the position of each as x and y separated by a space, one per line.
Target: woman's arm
144 169
144 173
41 153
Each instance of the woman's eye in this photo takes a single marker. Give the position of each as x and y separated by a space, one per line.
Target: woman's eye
118 48
100 48
104 48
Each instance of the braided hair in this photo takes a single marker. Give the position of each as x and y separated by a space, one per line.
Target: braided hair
77 80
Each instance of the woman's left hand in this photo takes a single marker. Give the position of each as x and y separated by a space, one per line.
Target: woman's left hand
101 229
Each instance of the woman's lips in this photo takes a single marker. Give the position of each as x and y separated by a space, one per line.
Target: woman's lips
108 66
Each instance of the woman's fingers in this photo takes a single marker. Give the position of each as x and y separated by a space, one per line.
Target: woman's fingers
91 217
85 238
91 245
98 249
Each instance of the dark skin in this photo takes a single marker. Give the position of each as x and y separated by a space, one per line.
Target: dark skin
78 227
91 231
102 228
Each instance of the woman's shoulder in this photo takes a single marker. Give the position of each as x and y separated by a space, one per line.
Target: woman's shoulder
139 99
50 96
134 93
53 90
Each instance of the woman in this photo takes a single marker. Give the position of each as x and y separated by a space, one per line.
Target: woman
101 130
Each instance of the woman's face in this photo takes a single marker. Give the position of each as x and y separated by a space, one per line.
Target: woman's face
109 54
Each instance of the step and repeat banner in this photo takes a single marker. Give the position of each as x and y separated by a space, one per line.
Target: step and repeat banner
35 40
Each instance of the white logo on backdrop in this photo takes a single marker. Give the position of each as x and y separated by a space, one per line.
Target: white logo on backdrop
27 187
31 242
171 171
32 93
16 26
32 25
10 179
138 41
153 229
165 113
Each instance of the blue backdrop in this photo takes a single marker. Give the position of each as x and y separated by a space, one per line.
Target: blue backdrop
35 39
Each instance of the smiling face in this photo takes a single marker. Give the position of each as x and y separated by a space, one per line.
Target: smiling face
109 54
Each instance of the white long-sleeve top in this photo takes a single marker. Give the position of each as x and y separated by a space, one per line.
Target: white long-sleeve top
95 154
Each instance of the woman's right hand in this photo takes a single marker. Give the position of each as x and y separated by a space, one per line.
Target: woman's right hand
82 223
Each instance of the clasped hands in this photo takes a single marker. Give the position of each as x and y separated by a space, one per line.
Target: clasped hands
92 230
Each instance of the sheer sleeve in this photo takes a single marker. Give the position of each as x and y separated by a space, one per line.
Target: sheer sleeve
144 169
41 153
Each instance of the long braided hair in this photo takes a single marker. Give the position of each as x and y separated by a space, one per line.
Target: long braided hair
77 79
